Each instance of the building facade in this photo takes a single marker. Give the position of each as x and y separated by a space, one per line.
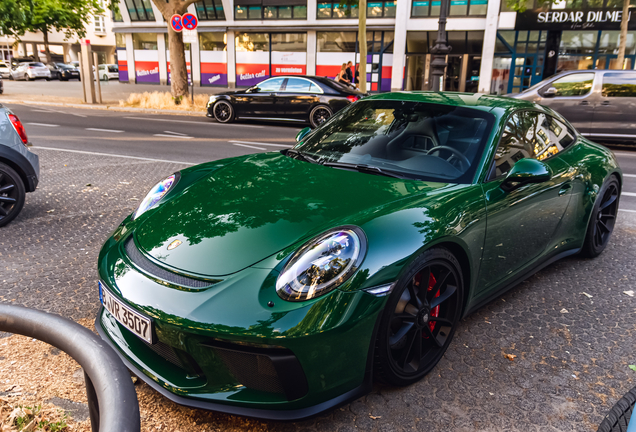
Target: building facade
494 50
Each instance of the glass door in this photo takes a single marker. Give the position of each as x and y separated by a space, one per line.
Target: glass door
453 75
527 60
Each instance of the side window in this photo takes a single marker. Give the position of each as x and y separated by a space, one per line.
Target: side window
271 84
530 134
619 84
298 85
578 84
314 88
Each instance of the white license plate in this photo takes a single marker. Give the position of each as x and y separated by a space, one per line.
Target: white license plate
133 321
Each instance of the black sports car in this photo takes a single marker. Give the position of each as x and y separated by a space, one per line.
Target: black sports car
288 98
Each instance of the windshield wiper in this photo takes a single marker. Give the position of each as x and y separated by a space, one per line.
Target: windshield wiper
365 168
302 155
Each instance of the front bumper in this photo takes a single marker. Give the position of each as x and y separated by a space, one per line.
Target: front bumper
223 349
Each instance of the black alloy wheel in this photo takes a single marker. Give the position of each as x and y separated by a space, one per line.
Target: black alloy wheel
603 219
12 194
223 111
420 318
319 115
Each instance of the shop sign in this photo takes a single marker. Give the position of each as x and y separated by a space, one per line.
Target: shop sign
572 19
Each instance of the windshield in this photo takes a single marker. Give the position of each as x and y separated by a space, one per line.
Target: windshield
37 64
418 140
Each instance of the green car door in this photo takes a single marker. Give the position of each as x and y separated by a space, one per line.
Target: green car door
523 217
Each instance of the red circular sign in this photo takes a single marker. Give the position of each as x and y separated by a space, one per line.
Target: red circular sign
189 21
176 23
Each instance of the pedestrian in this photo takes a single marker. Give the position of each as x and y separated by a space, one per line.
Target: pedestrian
349 71
342 75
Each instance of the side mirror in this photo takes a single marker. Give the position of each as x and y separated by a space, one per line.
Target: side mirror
302 134
550 92
254 89
526 171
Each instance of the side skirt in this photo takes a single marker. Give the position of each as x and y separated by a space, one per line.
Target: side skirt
525 275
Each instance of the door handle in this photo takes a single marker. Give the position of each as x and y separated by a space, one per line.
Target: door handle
605 103
584 103
564 189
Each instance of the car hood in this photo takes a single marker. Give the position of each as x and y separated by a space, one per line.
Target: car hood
248 210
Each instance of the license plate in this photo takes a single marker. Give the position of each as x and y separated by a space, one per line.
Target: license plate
133 321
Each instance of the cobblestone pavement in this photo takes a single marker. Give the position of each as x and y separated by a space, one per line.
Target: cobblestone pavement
572 351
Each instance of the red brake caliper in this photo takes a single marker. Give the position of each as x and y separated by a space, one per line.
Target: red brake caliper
435 311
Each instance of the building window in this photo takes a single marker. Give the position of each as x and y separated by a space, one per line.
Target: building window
100 24
117 16
270 9
140 10
426 8
568 4
375 9
209 10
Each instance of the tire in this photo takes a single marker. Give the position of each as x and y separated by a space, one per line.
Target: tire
319 114
602 219
409 342
26 77
105 77
619 416
223 111
12 194
48 79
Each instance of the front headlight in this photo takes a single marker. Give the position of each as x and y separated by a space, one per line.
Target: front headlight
156 193
322 264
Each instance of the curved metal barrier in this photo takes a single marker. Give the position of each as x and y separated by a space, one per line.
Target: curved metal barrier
108 382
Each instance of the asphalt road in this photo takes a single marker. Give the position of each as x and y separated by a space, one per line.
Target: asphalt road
570 327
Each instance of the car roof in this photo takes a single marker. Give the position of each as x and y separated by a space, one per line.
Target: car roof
482 101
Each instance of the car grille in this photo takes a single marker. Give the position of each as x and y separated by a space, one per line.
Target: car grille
166 352
148 266
252 370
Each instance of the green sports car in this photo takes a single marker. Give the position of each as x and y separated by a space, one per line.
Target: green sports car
279 285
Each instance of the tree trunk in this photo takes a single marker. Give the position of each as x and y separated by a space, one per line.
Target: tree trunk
362 42
178 70
47 51
620 60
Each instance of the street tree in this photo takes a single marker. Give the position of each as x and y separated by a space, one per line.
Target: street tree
362 37
14 17
620 59
178 70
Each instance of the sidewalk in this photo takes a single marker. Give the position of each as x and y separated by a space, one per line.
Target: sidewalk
70 92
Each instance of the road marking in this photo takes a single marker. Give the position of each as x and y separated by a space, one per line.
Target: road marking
257 148
104 130
627 211
113 155
54 111
629 175
260 143
175 133
43 124
44 111
628 193
192 122
172 136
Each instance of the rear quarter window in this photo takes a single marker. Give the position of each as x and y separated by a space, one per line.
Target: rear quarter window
619 84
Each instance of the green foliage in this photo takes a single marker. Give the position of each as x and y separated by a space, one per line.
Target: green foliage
15 16
57 426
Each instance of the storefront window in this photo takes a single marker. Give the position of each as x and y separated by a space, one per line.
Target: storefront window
210 10
268 10
336 41
578 42
212 41
120 40
144 41
289 42
427 8
252 42
140 10
609 41
569 4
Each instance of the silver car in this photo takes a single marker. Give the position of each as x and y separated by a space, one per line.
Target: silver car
5 70
31 71
19 168
600 104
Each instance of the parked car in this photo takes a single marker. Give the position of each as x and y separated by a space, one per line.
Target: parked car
288 98
5 70
279 284
599 103
63 71
1 86
31 71
19 168
108 72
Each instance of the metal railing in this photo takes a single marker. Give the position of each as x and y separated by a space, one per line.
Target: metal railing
108 382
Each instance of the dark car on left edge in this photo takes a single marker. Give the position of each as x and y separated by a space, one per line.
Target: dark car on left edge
288 98
19 168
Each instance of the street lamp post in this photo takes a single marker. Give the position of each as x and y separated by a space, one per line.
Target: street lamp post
440 49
